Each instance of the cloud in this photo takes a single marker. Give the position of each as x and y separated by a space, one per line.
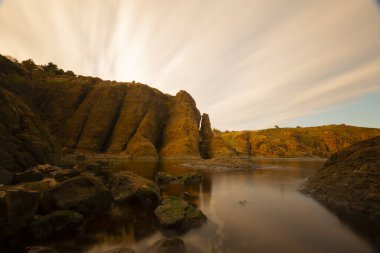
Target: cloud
249 64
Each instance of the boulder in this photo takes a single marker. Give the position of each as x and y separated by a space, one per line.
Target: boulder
176 213
174 245
55 222
17 209
83 194
55 172
40 249
127 186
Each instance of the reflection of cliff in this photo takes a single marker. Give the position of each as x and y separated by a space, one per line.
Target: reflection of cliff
206 191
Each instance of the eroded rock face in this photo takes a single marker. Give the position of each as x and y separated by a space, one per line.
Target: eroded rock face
83 194
127 186
55 222
205 137
181 133
176 213
17 209
350 179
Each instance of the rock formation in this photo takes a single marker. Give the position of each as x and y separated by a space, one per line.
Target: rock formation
350 179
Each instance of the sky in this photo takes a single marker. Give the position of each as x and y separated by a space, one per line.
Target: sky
249 64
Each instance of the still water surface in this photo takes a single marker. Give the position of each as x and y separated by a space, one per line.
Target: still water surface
255 211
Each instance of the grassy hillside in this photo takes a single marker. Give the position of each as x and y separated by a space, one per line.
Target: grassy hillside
319 141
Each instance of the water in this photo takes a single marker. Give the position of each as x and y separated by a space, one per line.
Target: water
256 211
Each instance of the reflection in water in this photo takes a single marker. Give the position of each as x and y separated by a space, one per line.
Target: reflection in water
275 217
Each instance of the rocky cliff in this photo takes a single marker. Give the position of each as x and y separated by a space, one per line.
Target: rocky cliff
350 179
320 141
89 115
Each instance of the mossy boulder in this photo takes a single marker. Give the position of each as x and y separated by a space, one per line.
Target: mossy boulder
83 194
127 186
176 213
55 223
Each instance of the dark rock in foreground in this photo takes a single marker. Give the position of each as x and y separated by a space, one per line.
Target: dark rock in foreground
174 245
176 213
17 209
83 194
350 179
127 186
55 222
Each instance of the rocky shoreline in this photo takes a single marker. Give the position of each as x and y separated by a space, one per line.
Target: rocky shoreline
46 201
350 180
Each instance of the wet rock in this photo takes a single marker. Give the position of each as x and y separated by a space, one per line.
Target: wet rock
120 250
163 177
127 186
174 245
40 249
83 194
17 209
6 177
55 222
176 213
28 176
55 172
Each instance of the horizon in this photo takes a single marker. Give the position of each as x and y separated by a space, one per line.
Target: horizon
326 71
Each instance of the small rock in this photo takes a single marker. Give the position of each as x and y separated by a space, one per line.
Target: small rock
55 222
191 178
174 245
40 249
120 250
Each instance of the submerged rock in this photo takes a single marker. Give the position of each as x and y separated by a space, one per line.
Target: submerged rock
176 213
174 245
187 178
17 209
127 186
83 194
55 222
350 179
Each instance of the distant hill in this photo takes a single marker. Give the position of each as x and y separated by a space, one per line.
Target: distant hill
320 141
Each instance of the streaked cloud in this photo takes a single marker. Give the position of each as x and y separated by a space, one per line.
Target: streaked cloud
249 64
